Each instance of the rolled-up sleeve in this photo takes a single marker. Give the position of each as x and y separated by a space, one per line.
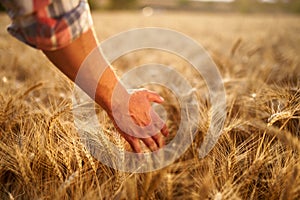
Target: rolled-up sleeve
48 24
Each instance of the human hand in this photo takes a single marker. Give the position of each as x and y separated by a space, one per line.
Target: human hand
136 120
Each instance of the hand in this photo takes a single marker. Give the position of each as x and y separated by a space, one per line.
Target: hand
70 58
135 120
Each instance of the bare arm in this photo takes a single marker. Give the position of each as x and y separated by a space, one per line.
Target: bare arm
69 60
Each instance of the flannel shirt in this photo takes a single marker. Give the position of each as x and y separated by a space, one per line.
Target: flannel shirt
48 24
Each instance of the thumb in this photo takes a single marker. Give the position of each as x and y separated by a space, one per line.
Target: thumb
154 97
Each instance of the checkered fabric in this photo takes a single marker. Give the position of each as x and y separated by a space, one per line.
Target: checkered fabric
48 24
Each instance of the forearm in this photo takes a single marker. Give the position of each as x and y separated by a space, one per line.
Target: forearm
69 60
84 64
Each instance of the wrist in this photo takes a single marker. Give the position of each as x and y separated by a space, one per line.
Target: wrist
110 91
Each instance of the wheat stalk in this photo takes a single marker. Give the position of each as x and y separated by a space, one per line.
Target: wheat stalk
236 46
55 165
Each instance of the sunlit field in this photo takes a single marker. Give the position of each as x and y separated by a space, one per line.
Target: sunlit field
256 157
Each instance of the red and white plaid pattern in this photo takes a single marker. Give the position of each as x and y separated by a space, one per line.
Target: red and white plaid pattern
48 24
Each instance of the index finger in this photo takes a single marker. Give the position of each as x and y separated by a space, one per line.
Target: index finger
165 130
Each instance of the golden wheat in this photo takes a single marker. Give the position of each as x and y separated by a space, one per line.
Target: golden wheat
256 157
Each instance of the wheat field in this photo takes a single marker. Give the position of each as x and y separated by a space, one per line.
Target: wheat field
256 157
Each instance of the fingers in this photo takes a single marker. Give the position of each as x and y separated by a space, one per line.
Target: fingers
154 97
159 140
159 123
153 143
165 130
135 145
140 103
150 143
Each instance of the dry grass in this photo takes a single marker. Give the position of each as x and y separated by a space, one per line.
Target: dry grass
257 156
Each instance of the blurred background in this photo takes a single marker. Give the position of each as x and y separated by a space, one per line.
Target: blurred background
243 6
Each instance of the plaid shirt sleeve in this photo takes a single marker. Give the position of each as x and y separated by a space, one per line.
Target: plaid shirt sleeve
48 24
